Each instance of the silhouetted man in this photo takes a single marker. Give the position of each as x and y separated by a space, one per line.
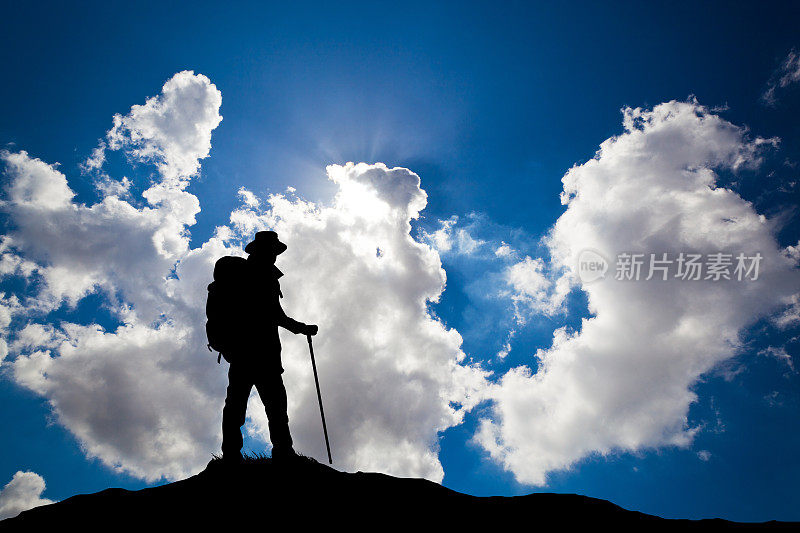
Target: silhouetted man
256 360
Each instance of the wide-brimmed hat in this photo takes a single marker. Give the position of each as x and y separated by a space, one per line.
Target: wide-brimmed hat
268 241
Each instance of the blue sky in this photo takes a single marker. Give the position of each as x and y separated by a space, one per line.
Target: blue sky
490 105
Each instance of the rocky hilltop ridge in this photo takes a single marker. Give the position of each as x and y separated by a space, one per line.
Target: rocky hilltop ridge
304 493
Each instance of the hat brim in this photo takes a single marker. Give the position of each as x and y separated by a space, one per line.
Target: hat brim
277 248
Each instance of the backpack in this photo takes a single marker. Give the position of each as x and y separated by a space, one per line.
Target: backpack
224 305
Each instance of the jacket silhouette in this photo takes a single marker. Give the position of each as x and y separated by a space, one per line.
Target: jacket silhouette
255 352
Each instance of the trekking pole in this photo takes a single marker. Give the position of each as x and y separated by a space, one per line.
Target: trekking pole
319 397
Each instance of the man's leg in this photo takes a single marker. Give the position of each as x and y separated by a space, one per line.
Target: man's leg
233 414
273 394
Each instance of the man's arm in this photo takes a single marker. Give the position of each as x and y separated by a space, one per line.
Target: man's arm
285 321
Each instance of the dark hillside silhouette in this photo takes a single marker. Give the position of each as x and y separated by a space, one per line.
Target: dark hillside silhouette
308 496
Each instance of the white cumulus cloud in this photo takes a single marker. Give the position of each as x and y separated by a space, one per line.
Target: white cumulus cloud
146 397
390 372
137 397
171 130
532 289
23 492
623 381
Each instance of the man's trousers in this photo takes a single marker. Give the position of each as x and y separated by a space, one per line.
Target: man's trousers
269 384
